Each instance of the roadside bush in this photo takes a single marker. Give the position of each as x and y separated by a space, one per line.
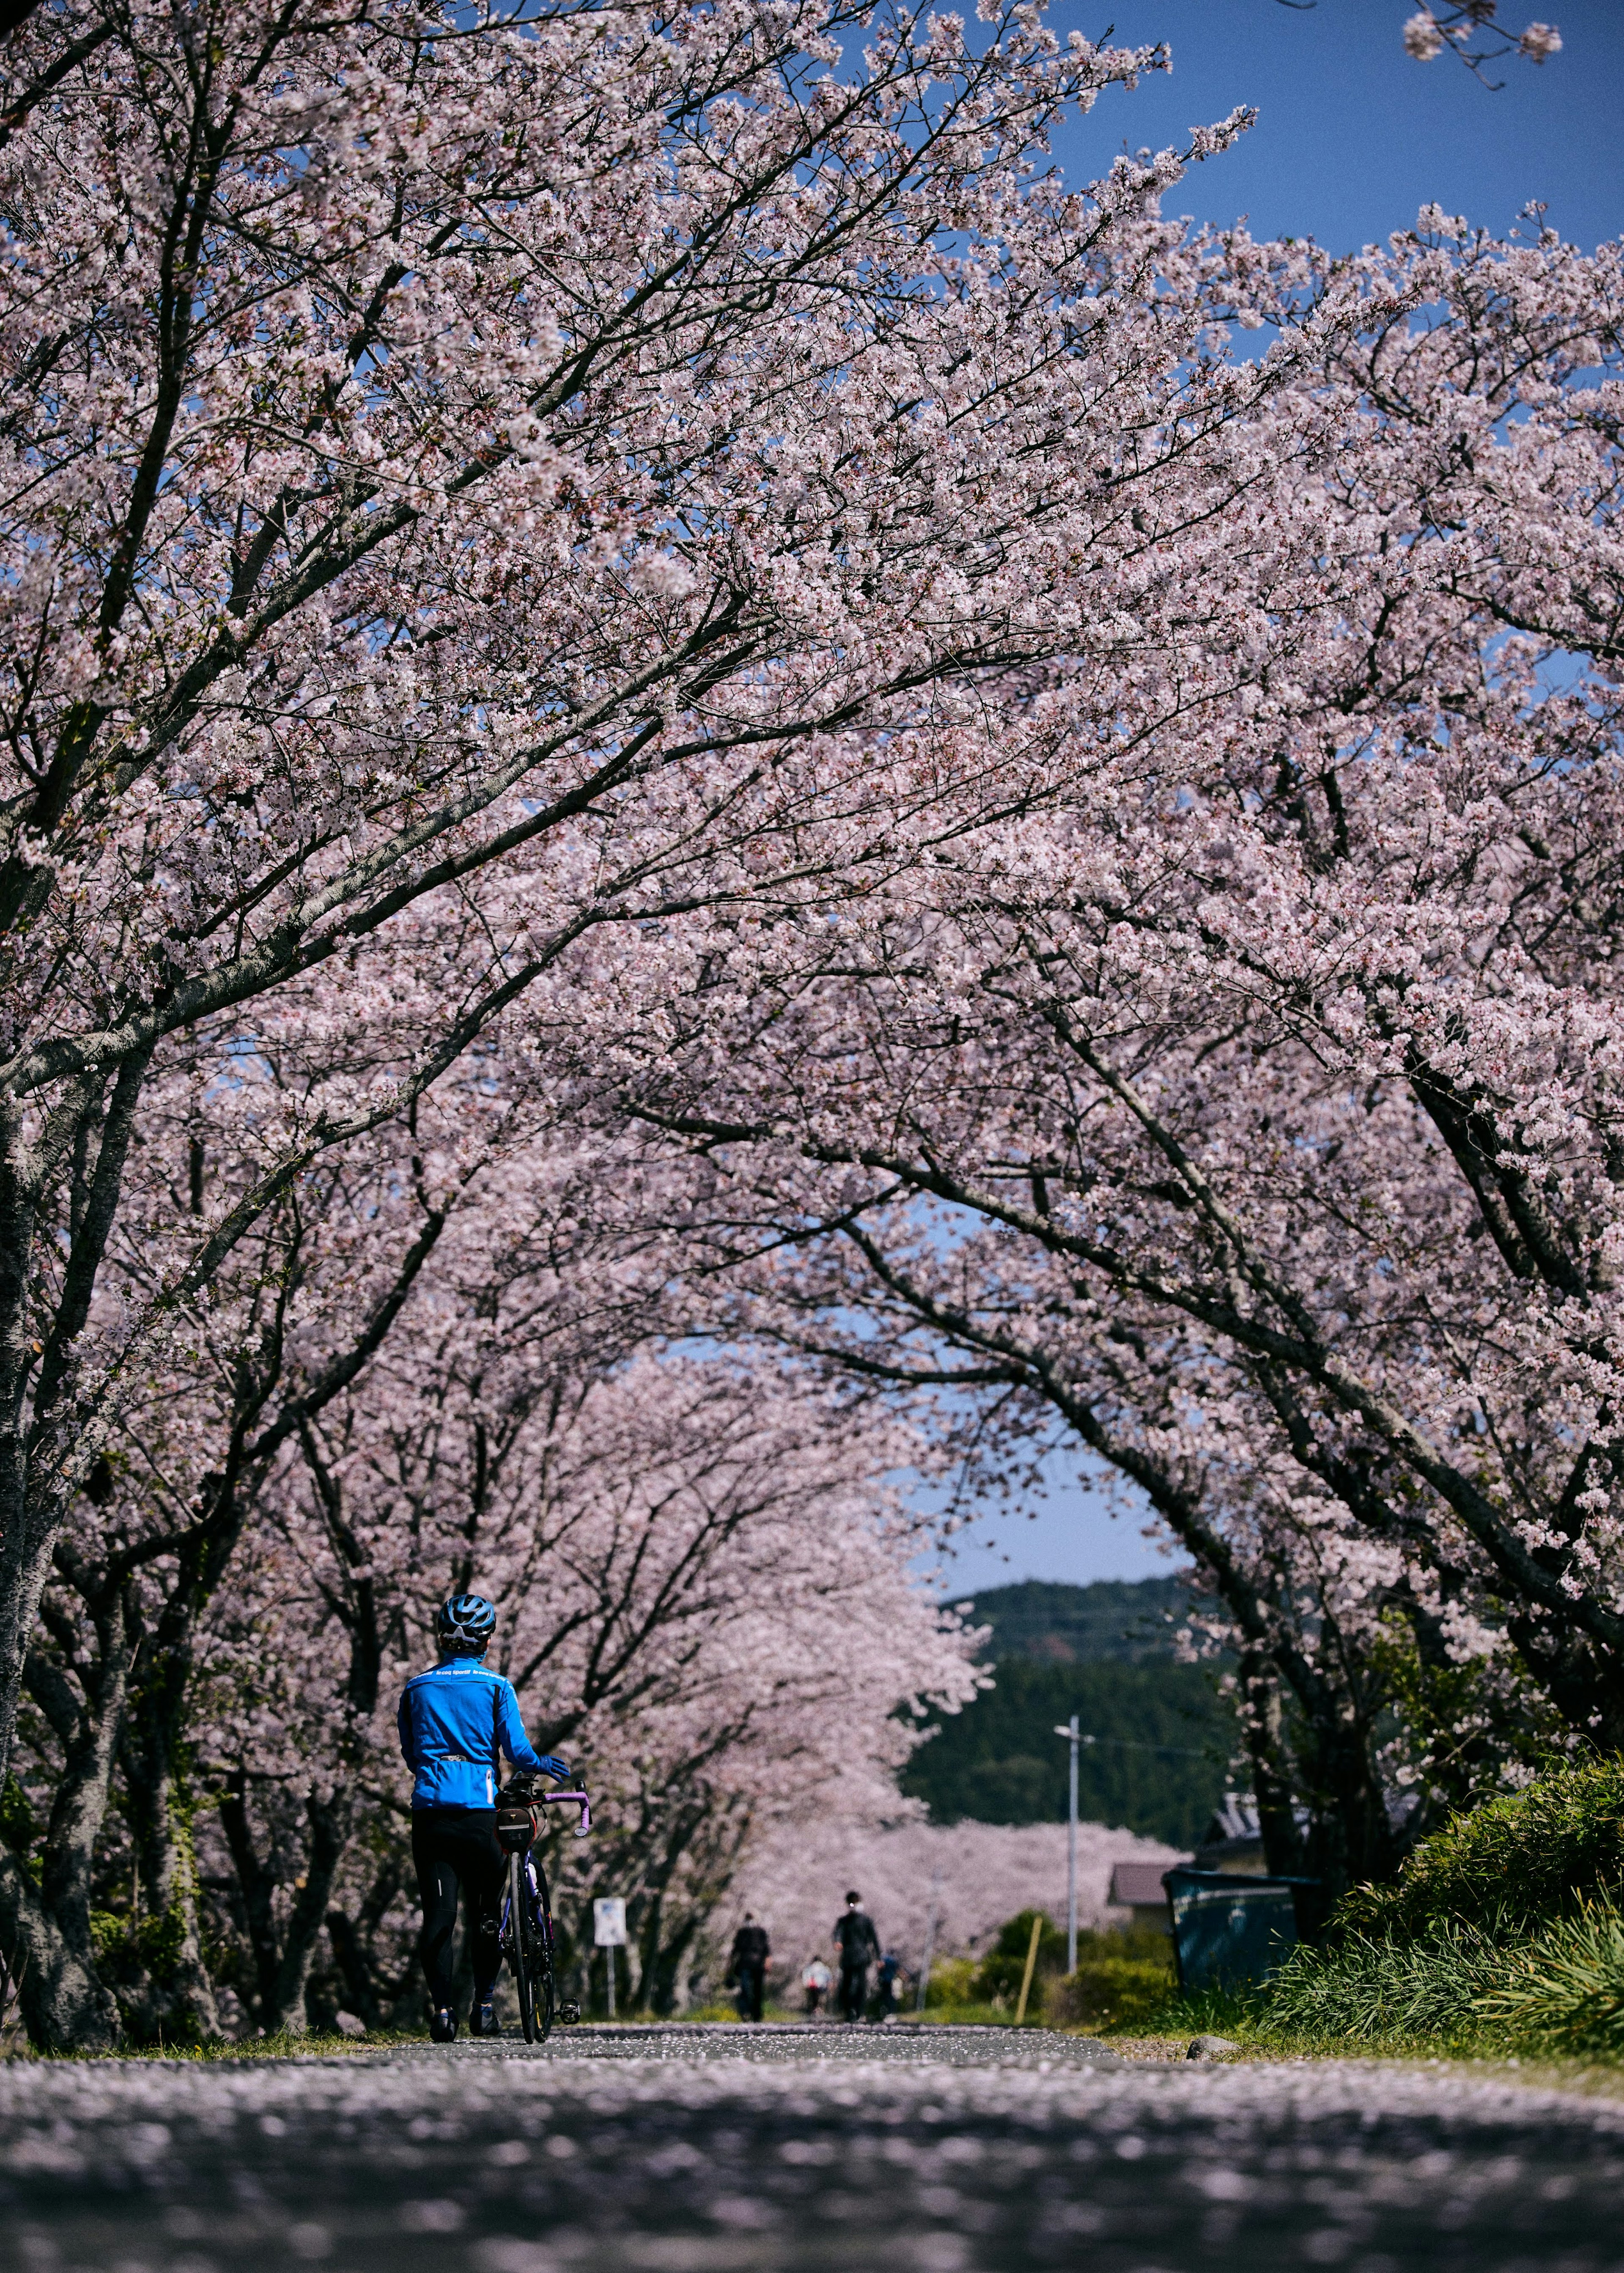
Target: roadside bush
950 1983
1510 1867
998 1977
1122 1980
1565 1989
1506 1922
1371 1987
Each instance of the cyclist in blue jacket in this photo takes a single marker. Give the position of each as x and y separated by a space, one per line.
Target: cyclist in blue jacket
456 1722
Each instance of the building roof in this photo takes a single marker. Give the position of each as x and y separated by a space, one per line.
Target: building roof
1136 1884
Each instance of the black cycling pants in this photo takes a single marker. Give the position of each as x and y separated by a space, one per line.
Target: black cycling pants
454 1850
854 1991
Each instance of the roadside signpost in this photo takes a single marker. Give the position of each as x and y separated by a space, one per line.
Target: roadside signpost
609 1934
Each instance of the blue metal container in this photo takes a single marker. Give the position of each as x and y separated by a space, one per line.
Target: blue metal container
1231 1932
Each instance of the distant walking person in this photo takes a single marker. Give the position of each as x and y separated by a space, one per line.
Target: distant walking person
749 1965
816 1981
886 1989
859 1946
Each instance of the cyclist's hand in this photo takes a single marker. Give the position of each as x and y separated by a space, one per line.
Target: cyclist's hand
556 1768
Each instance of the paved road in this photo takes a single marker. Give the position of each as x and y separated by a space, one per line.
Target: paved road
670 2153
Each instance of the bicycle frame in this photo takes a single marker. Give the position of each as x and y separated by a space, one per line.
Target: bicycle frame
527 1879
541 1908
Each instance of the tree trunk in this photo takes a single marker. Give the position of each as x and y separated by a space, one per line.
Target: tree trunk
26 1549
372 1994
331 1822
65 2005
282 1957
172 1998
1257 1685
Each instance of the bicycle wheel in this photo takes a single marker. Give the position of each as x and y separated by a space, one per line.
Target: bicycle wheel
522 1949
543 1993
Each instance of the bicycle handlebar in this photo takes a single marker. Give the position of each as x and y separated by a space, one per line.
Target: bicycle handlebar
579 1799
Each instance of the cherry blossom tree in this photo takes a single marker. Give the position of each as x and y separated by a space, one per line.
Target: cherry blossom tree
704 1602
640 561
108 1679
1470 29
1264 1090
965 1879
413 1380
466 479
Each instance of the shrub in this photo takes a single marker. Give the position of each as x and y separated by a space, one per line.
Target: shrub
1122 1980
997 1979
1510 1867
1507 1920
950 1982
1565 1989
1371 1987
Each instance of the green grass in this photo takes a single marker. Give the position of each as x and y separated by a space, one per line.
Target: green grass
1458 1991
1502 1937
285 2043
1386 1988
1564 1992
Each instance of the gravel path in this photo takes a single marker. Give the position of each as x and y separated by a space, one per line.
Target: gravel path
690 2152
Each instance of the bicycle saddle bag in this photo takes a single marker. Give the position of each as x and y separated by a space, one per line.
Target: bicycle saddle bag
518 1817
517 1826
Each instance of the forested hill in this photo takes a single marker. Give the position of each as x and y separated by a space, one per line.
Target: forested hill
1163 1736
1114 1619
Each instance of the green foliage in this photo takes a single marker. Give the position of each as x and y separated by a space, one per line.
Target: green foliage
1510 1867
1565 1989
948 1984
1461 1723
997 1761
997 1979
1122 1982
1503 1930
1374 1989
1123 1621
17 1826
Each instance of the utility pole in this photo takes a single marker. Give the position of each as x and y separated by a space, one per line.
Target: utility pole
1071 1733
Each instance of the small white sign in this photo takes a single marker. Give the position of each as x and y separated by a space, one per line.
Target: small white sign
609 1923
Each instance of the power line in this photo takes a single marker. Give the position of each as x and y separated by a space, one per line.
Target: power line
1129 1744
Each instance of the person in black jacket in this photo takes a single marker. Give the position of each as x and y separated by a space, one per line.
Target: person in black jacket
747 1966
859 1946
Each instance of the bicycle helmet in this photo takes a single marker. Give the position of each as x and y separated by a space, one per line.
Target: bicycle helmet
464 1626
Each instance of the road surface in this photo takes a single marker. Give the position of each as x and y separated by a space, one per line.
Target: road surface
944 2151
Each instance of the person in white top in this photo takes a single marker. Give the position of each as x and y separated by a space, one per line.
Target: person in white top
816 1981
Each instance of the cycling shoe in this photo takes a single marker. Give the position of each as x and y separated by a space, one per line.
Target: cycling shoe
442 2026
482 2022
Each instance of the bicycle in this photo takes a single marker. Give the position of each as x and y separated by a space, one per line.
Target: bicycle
525 1932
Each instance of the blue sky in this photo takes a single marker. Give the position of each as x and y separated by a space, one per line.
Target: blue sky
1352 138
1069 1533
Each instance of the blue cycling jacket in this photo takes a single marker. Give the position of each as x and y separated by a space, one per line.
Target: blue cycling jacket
456 1722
